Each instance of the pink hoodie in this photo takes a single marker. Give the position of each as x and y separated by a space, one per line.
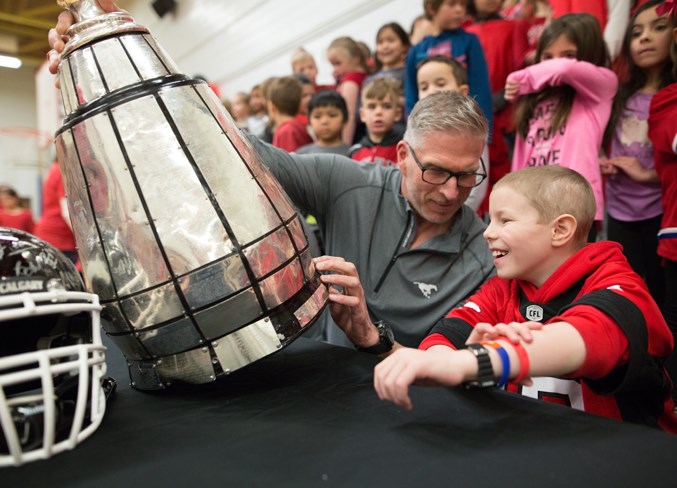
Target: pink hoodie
577 144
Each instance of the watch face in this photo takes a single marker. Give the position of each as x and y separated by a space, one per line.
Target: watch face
386 333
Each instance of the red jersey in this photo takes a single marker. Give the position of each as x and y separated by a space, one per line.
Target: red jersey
291 135
22 220
384 152
51 226
663 135
626 337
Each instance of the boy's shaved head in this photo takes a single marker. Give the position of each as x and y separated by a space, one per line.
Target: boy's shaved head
554 191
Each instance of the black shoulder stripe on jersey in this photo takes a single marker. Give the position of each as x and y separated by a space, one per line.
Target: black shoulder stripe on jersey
641 373
454 329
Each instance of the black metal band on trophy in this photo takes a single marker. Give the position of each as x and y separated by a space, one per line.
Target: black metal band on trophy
199 260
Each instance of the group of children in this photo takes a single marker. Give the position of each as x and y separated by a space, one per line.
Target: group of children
554 101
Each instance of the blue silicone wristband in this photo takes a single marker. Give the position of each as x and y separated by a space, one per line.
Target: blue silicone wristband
505 359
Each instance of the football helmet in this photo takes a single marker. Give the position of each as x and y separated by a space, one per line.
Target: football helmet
52 385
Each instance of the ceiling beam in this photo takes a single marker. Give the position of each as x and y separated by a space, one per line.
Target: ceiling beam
51 8
23 31
23 21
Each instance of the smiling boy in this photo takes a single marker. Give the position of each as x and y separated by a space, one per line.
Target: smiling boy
598 341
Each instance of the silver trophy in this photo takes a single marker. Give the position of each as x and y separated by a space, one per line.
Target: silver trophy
199 259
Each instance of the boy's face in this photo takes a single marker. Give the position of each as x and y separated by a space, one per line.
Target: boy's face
327 123
256 101
307 92
450 15
434 77
307 68
380 115
521 245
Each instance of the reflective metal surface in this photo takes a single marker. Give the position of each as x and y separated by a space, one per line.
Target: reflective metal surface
198 256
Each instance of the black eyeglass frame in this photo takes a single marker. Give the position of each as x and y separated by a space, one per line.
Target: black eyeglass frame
450 174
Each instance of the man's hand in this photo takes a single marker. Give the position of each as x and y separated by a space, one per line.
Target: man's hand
57 36
347 304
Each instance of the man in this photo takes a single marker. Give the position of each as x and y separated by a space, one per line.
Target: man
418 251
416 248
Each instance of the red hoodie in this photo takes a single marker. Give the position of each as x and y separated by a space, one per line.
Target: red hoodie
625 335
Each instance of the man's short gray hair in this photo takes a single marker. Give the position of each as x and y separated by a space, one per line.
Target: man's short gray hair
451 112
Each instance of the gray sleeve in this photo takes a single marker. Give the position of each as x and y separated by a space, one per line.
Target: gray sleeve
305 178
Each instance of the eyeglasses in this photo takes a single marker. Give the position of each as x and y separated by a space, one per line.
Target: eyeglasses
438 176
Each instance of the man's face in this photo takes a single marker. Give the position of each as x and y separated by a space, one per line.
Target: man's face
451 152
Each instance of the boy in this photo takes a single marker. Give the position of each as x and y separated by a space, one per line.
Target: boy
379 111
328 114
284 98
307 92
303 63
440 73
258 118
597 341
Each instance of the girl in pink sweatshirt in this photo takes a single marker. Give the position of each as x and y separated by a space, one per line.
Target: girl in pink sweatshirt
565 101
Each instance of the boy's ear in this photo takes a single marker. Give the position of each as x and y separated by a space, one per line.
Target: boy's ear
361 113
563 230
465 89
398 113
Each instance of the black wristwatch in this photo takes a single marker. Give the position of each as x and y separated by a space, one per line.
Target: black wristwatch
485 373
385 343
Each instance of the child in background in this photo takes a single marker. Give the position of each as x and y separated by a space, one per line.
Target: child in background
663 135
563 321
633 190
565 101
240 110
303 63
258 119
350 70
452 41
380 111
441 73
392 45
421 27
307 92
505 46
284 98
12 214
327 113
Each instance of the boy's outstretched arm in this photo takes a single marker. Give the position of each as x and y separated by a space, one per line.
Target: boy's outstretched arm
556 350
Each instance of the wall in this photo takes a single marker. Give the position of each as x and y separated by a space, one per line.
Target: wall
234 44
239 44
19 153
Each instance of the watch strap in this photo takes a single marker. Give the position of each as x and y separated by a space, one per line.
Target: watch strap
485 372
385 340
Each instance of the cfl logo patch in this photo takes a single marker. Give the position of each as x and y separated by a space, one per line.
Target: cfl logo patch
534 312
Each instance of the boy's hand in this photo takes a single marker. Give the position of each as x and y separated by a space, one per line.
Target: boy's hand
406 367
514 332
348 306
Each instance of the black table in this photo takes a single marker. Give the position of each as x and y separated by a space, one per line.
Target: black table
308 416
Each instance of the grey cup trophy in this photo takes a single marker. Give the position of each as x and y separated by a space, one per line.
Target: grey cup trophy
199 260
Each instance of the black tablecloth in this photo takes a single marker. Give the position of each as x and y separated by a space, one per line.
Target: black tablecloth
308 416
